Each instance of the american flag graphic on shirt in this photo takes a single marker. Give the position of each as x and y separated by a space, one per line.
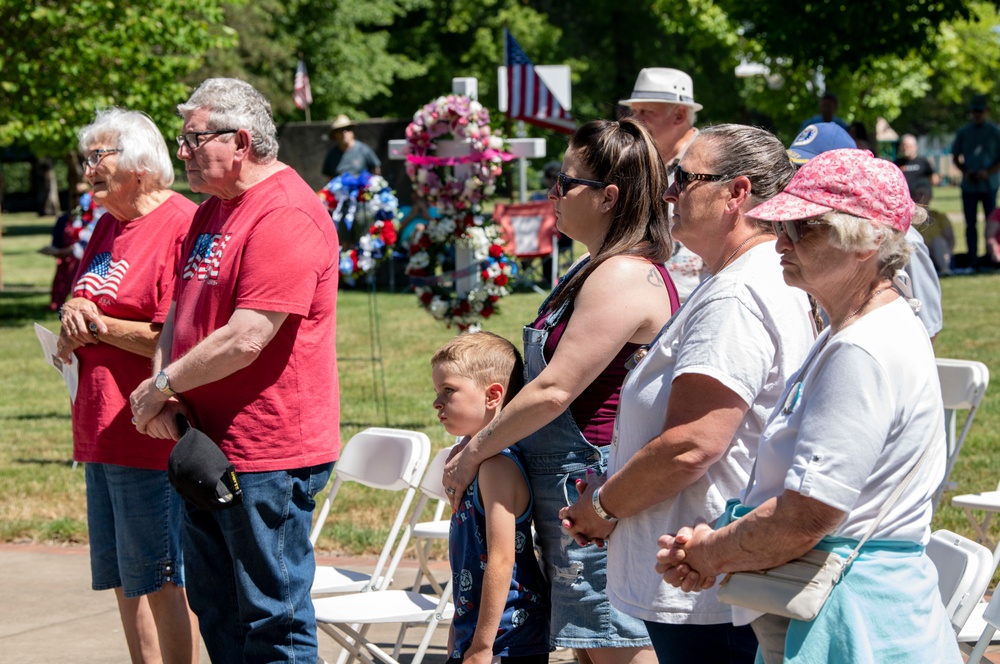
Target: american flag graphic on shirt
205 257
103 277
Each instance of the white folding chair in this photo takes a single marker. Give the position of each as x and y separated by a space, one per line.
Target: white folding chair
991 621
964 571
388 459
348 618
426 533
963 384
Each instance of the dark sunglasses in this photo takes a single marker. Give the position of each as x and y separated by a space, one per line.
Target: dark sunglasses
794 229
564 183
682 177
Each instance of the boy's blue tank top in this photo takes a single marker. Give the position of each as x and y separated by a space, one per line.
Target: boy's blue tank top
524 625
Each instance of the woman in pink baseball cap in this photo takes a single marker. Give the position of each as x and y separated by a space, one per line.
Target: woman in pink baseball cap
861 417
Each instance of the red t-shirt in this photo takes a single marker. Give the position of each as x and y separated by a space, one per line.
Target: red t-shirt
272 248
128 271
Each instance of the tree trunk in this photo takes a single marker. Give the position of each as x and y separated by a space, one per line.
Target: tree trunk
46 191
74 176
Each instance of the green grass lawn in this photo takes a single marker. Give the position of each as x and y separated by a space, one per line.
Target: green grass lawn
42 496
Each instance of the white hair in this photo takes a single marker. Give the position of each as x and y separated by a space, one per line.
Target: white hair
235 104
852 233
143 149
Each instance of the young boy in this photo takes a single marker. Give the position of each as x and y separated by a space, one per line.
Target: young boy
501 598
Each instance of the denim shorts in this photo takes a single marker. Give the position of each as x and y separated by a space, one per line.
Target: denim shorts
134 518
582 615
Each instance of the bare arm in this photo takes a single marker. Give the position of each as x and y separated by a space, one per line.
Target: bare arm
701 420
138 337
232 347
781 529
505 495
617 304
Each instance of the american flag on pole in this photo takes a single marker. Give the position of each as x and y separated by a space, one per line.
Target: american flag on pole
301 92
103 277
529 99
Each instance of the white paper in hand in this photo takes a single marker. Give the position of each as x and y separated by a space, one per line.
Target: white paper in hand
70 372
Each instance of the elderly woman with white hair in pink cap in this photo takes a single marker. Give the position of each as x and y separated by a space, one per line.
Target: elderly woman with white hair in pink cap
849 463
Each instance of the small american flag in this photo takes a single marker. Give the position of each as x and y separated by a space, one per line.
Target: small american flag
205 258
301 93
529 99
103 277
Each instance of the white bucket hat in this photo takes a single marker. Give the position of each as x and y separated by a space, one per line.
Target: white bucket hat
660 84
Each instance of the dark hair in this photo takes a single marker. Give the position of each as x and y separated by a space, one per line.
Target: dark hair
754 153
831 96
623 153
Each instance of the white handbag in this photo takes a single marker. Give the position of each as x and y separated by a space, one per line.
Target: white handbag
799 588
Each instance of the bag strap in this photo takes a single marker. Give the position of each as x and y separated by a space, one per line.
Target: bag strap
888 505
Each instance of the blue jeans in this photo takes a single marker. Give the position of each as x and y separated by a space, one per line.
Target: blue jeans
250 569
970 202
705 644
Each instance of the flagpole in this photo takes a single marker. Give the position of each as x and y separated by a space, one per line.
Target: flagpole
509 175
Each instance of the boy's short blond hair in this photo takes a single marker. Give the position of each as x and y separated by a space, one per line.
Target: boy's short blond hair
485 358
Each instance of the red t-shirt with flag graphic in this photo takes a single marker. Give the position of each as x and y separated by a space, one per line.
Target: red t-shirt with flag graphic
272 248
127 270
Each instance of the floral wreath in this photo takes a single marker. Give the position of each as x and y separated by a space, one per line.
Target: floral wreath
458 201
361 198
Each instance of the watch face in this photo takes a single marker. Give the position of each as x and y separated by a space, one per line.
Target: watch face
161 381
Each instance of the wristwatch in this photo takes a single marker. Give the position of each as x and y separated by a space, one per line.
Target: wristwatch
163 384
601 512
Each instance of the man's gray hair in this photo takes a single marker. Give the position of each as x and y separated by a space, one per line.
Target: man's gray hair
235 104
752 152
143 149
852 233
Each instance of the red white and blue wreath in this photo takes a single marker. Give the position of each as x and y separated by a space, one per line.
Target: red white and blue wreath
366 199
458 201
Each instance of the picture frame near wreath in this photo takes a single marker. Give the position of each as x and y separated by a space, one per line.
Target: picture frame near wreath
453 159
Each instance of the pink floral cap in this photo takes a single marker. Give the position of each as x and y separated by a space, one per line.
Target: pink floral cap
847 180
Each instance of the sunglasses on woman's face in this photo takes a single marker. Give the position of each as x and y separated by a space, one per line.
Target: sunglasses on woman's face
682 177
794 229
564 183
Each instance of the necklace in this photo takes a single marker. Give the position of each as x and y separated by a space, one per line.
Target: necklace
863 305
736 251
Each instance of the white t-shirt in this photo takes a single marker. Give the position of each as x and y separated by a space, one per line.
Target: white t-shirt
869 403
749 330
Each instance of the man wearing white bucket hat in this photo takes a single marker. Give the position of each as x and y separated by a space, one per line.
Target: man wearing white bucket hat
663 100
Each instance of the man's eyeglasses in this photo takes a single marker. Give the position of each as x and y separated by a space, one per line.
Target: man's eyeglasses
794 229
564 183
94 157
192 139
682 177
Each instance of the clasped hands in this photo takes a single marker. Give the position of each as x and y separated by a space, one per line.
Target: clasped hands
682 560
78 314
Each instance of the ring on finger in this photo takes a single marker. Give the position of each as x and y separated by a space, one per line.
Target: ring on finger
450 491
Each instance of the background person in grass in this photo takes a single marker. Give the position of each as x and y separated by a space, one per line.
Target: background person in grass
608 196
112 322
502 607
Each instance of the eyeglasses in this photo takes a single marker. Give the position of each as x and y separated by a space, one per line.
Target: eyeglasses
94 157
794 229
682 177
565 182
193 141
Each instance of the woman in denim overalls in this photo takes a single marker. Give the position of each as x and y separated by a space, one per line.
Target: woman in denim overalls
608 197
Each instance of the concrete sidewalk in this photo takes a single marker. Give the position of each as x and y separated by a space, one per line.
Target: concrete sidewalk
48 613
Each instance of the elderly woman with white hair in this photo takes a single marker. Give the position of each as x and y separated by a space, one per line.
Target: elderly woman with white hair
112 323
849 462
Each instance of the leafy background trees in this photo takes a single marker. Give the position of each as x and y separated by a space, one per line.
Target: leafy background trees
913 62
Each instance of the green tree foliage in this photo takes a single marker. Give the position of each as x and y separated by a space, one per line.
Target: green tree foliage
59 61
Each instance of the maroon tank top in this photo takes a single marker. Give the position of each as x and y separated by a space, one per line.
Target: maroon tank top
594 410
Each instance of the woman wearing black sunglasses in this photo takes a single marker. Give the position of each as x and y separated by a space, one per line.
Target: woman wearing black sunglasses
608 196
692 410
